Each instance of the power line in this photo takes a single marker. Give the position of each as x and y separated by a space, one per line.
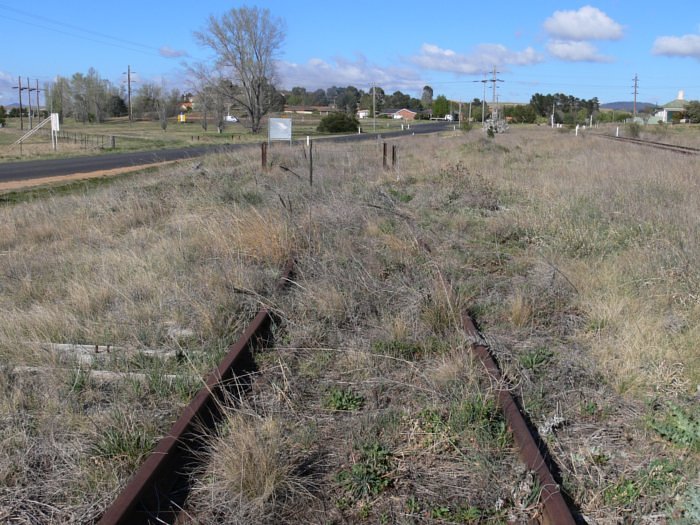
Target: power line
118 42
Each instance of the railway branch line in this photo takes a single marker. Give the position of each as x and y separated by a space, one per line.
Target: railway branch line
158 491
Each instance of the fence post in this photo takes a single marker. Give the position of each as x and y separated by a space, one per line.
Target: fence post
311 163
384 156
263 155
113 142
393 156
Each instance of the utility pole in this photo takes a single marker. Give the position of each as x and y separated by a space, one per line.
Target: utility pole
38 108
494 80
29 96
374 107
636 89
128 91
20 88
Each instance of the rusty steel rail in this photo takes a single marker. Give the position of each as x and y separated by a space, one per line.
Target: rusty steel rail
686 150
158 490
556 511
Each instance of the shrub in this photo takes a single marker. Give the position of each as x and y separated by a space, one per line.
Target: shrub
338 123
634 129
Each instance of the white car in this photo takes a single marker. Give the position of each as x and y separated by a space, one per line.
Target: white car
230 118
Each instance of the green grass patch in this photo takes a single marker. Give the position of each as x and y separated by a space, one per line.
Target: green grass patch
678 426
371 473
343 399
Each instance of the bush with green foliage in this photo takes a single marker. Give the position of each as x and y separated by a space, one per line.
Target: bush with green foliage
633 130
338 123
3 115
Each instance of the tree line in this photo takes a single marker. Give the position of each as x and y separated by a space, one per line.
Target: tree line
91 98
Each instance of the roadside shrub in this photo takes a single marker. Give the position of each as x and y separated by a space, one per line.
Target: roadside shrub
634 129
338 123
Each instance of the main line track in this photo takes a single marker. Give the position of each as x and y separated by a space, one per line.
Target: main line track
685 150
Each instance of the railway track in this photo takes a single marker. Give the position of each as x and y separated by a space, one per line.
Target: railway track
685 150
158 491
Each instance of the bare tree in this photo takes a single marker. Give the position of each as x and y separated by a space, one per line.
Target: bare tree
246 42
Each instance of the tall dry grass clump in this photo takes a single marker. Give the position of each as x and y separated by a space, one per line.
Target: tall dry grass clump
253 474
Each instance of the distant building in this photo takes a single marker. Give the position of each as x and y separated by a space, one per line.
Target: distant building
363 113
308 110
405 114
669 109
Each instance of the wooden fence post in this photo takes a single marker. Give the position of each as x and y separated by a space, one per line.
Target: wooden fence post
311 162
263 155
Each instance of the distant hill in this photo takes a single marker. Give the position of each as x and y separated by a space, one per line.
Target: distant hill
627 106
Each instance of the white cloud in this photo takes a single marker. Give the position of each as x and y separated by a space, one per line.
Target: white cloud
588 23
678 46
484 57
576 51
318 73
169 52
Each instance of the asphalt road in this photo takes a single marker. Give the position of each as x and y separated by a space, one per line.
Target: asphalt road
36 169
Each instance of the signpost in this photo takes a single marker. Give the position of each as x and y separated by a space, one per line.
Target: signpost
55 128
280 129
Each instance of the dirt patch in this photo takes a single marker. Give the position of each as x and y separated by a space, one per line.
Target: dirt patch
43 181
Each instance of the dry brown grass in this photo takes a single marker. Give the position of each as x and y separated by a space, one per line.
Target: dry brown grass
253 475
575 257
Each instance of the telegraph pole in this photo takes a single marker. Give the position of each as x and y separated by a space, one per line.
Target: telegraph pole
29 96
374 107
494 80
38 108
128 91
636 89
20 89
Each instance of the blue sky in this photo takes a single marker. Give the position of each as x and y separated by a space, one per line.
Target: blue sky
578 48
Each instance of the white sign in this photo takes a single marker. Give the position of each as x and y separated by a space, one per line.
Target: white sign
55 122
280 129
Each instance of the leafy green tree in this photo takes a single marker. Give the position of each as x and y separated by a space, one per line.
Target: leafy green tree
297 97
116 107
692 111
338 123
441 106
477 106
521 114
348 100
415 104
426 97
318 98
398 100
3 116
